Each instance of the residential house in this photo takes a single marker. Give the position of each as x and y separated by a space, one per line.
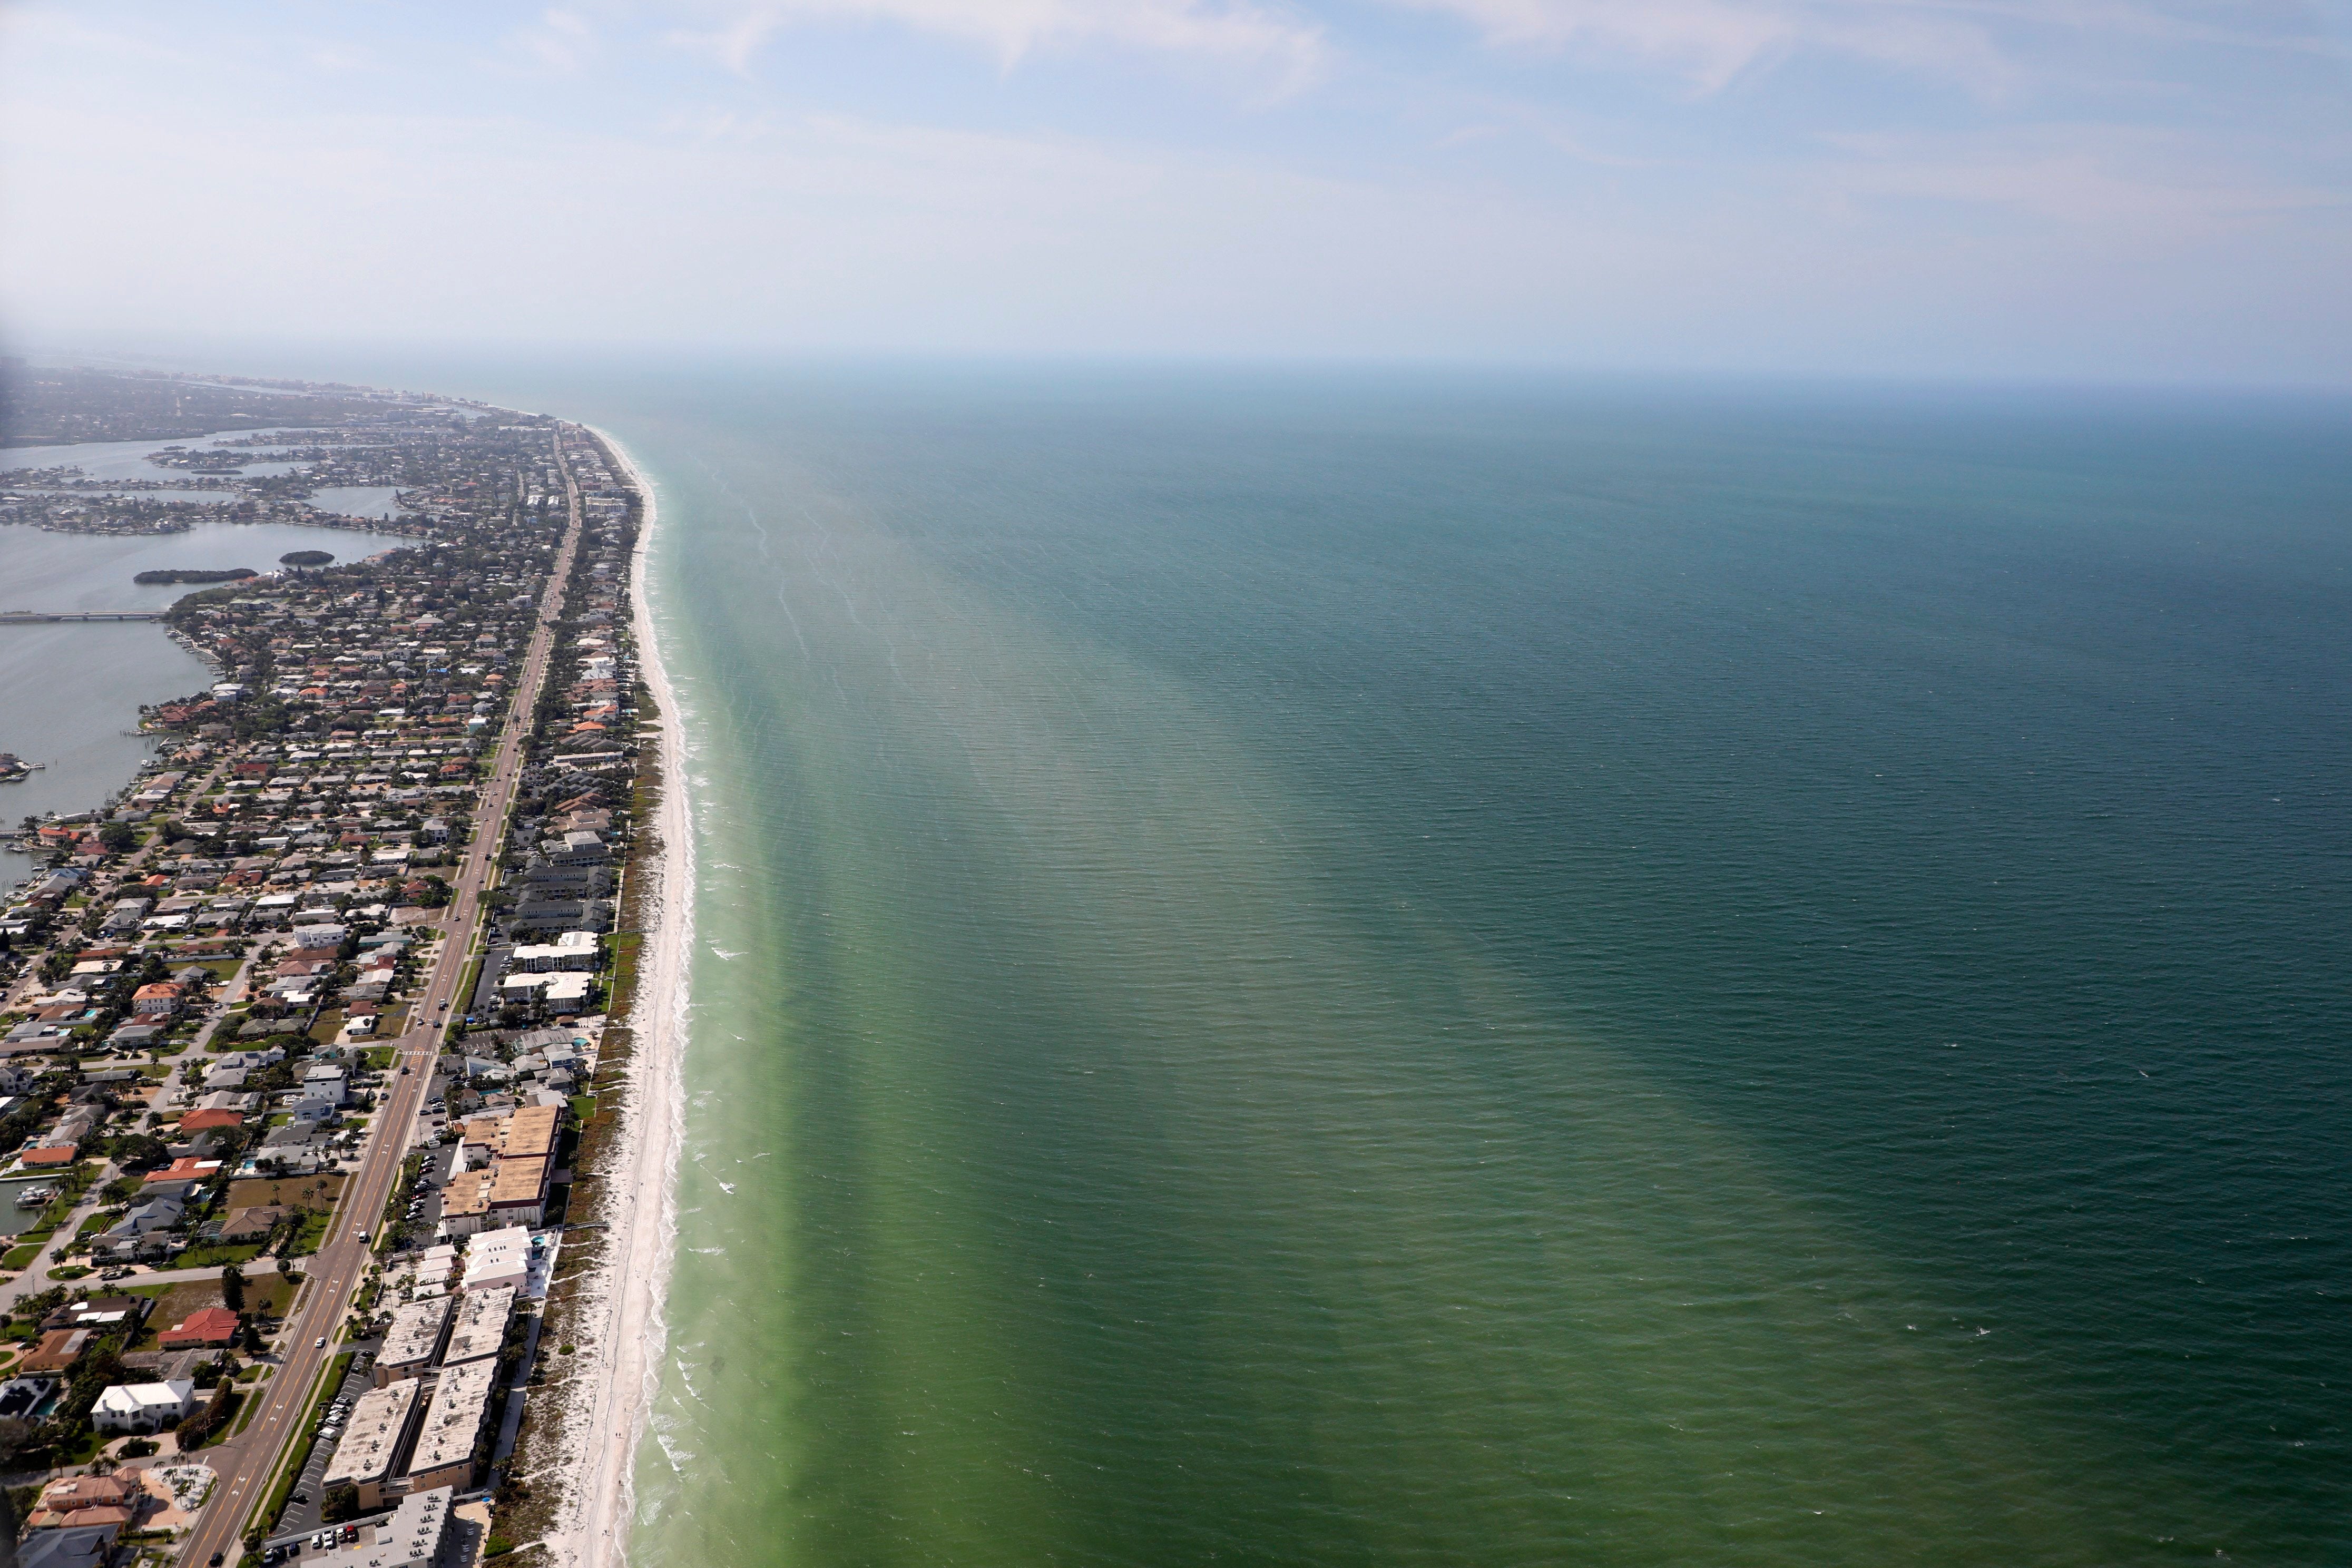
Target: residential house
181 1178
252 1224
73 1544
143 1406
60 1349
210 1328
158 1000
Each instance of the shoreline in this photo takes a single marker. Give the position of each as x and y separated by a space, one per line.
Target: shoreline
604 1430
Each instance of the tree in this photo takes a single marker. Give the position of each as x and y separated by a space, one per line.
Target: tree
233 1288
15 1438
118 837
342 1502
141 1151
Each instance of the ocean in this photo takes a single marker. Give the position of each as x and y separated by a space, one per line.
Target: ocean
1316 970
1419 968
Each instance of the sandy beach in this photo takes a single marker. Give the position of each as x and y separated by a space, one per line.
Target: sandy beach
603 1426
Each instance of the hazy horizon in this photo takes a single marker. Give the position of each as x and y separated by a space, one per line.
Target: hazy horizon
2120 191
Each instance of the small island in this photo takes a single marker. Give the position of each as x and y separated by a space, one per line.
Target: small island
195 575
306 558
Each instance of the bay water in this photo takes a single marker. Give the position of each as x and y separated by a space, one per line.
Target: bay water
70 691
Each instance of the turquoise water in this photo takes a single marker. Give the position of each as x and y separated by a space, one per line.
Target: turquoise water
1306 973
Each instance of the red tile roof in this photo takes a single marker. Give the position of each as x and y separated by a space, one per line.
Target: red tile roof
211 1326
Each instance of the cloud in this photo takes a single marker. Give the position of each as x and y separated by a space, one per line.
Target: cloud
1708 43
2140 187
1234 32
1985 45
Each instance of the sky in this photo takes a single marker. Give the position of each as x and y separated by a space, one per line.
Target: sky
2104 190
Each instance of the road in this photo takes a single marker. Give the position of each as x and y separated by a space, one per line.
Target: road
248 1463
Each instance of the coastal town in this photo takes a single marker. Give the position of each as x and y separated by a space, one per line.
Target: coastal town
314 1039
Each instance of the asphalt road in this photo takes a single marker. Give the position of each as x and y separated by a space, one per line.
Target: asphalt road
247 1463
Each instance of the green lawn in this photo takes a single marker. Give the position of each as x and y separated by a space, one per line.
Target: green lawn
85 1450
215 1253
21 1256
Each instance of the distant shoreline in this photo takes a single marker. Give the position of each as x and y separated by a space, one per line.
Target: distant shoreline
195 575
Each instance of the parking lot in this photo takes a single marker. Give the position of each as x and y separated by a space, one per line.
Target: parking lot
301 1517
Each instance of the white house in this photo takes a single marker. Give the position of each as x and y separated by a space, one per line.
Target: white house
143 1406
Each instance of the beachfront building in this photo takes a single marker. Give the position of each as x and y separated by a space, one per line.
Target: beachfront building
449 1442
570 949
521 1149
413 1341
466 1202
518 1193
382 1422
482 1326
413 1535
435 1268
498 1258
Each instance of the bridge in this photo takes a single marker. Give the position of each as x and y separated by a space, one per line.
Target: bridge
42 617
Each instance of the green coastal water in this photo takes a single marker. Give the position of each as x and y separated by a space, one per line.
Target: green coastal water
1299 972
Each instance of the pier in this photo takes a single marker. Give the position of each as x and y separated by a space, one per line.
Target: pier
41 618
